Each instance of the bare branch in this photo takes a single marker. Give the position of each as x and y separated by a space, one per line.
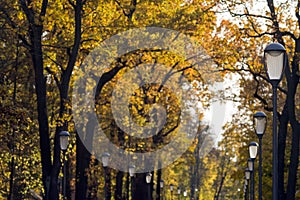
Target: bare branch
61 67
54 76
14 26
234 14
44 8
71 3
262 100
287 33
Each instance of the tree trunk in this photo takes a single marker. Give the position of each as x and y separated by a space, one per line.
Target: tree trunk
40 85
293 81
82 163
119 188
141 187
158 182
283 123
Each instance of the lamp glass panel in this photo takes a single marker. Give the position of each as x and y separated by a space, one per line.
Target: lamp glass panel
171 187
64 142
105 159
161 183
178 191
250 165
185 193
148 178
131 171
247 175
274 61
253 151
260 125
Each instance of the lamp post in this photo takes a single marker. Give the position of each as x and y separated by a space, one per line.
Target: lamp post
260 121
245 189
64 142
179 192
275 59
196 193
161 184
185 194
105 160
250 167
171 189
131 174
253 147
148 180
247 177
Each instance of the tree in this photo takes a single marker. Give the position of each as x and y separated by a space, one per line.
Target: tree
33 17
257 29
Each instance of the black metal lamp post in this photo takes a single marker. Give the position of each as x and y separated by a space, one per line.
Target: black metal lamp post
185 194
196 193
253 147
171 189
275 60
105 160
245 189
64 142
247 177
131 174
148 180
161 184
179 192
260 122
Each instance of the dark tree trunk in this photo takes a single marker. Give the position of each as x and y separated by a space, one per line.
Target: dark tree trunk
40 85
50 170
193 170
141 189
283 123
35 47
158 181
82 163
293 81
119 185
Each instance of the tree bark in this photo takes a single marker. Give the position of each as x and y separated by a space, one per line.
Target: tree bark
40 85
141 187
293 81
119 183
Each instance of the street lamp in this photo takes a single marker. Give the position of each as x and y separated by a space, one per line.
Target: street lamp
250 165
185 194
161 184
275 60
260 122
148 180
131 170
179 192
105 159
171 189
247 174
64 142
247 177
196 193
148 177
131 174
253 146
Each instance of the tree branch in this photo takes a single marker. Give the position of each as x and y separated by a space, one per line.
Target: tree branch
44 8
14 26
